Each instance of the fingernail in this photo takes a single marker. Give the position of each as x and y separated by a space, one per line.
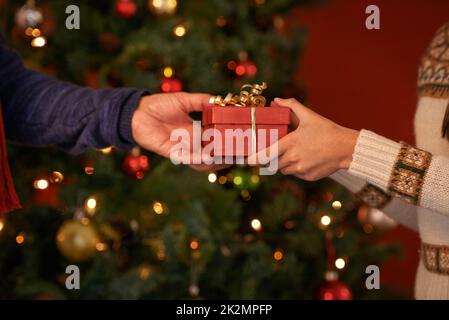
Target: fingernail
277 99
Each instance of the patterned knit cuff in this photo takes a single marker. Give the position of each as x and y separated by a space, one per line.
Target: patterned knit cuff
374 158
398 169
407 177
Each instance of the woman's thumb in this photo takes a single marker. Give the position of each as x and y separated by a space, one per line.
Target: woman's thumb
298 109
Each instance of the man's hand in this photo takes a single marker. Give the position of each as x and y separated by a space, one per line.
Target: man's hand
158 115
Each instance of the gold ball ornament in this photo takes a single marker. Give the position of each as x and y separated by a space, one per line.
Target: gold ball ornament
77 241
162 7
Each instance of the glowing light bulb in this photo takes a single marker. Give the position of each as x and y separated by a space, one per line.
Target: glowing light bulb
2 224
163 6
180 30
194 244
89 170
256 224
158 208
278 255
91 205
29 31
171 3
340 263
39 42
157 3
36 32
325 220
238 180
20 239
212 177
41 184
336 205
101 246
240 70
168 72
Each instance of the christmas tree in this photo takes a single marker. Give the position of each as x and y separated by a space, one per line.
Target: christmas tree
138 226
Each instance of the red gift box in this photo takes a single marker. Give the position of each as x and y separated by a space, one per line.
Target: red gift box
235 127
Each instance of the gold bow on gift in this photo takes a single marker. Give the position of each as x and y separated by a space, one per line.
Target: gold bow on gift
250 96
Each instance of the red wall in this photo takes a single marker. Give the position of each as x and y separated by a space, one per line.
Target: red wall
367 78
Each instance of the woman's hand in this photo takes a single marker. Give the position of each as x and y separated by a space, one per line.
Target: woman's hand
316 148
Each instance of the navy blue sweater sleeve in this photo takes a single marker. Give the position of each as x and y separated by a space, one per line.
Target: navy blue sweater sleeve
40 110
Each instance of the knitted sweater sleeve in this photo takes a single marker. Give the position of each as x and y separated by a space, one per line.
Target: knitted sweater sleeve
413 177
405 172
40 110
404 213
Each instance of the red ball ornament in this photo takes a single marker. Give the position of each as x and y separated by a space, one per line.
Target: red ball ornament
125 8
171 85
136 165
334 290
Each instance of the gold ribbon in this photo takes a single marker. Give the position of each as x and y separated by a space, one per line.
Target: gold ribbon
250 96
